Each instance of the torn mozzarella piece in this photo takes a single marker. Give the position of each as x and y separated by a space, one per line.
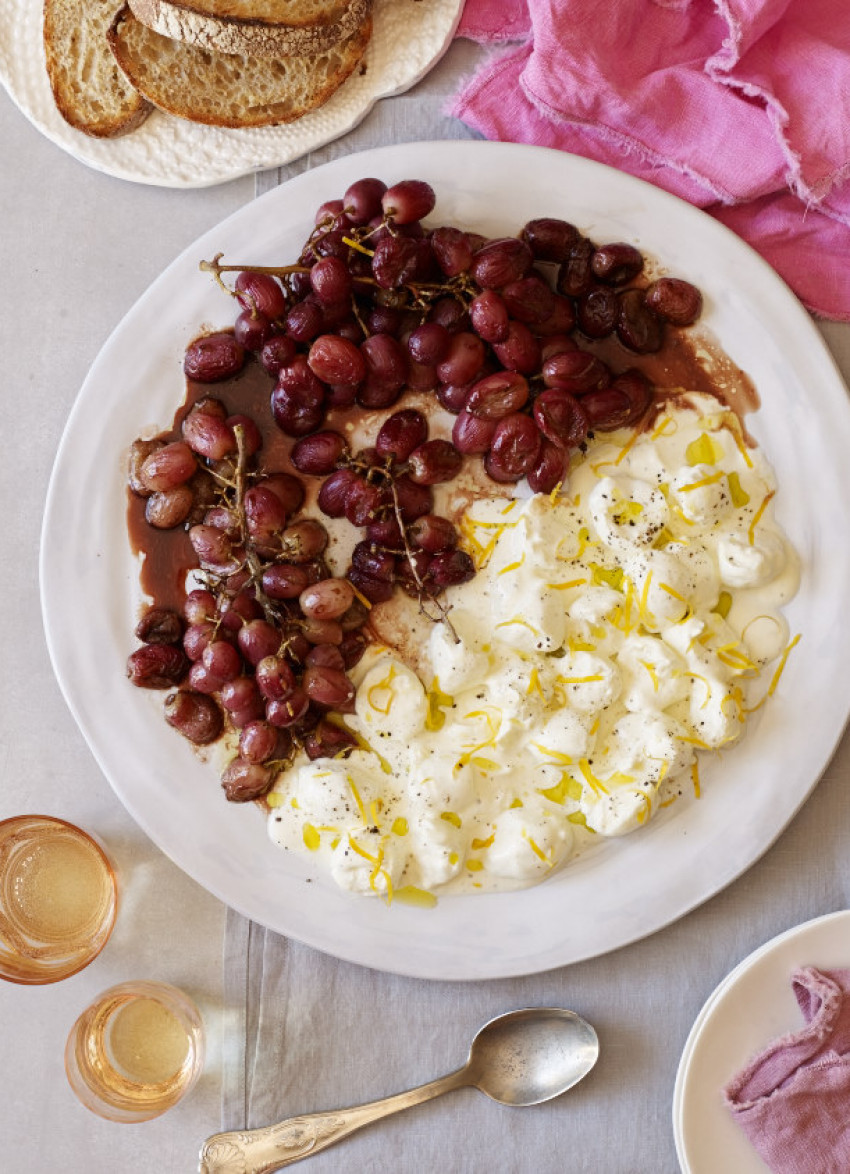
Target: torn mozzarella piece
528 842
702 493
457 663
654 675
589 683
366 862
562 738
626 512
746 563
391 700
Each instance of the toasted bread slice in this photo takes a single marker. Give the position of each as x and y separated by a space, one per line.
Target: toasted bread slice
229 89
90 91
261 28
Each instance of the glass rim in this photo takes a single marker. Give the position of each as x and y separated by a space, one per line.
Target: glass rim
105 931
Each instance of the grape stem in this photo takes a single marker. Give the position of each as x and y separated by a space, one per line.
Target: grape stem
424 593
421 292
274 614
216 269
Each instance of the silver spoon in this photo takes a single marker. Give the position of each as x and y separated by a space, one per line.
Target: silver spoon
521 1058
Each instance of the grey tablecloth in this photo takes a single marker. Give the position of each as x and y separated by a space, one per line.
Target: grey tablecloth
315 1033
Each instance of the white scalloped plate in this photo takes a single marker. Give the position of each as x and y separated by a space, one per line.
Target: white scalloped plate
624 889
409 37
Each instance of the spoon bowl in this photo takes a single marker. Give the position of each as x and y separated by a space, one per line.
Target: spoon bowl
520 1058
530 1056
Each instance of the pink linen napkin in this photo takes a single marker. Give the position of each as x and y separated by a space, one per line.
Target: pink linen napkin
793 1100
741 107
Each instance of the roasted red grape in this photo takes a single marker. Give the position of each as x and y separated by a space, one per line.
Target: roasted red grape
169 507
515 448
326 600
401 433
408 200
194 715
497 395
167 467
616 264
675 300
319 453
243 780
261 294
214 357
157 666
434 461
489 316
550 239
362 200
451 568
561 418
500 262
336 360
433 533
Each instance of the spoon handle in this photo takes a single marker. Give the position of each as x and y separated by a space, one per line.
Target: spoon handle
259 1151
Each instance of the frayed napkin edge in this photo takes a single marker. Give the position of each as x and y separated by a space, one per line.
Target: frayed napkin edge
814 1032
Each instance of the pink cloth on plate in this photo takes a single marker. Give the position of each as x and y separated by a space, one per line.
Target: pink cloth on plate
741 107
793 1100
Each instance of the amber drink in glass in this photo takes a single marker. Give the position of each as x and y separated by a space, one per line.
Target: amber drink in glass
57 899
136 1051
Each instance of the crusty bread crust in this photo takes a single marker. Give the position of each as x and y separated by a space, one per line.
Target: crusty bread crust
89 89
229 89
293 13
253 27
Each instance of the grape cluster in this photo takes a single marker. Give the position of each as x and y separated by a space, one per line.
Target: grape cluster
376 304
270 637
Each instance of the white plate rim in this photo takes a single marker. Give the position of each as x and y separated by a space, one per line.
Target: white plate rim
807 934
415 950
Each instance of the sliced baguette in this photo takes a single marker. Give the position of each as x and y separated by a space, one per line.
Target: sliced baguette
260 28
90 91
229 89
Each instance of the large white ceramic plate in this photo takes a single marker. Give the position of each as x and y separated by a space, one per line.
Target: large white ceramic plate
626 889
750 1008
409 37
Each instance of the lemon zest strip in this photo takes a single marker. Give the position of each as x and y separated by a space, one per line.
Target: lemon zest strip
695 777
513 566
367 603
661 428
538 851
627 446
751 532
357 799
355 847
653 675
521 623
386 684
353 244
595 783
783 660
558 755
